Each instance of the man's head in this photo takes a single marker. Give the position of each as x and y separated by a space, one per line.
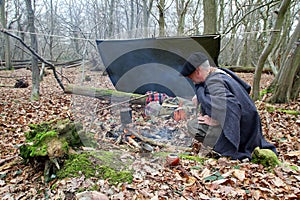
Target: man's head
196 67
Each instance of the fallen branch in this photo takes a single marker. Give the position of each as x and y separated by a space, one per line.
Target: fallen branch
37 55
247 69
106 94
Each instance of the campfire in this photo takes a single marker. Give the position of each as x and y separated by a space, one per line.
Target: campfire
134 125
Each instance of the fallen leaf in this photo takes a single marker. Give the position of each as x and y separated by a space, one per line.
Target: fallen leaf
190 181
293 153
278 182
239 174
205 173
203 196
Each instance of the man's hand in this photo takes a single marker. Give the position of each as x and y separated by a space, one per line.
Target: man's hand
207 120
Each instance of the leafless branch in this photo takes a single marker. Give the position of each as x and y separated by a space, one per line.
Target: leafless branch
37 55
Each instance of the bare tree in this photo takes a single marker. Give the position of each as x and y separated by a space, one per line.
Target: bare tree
269 46
7 53
18 52
181 8
146 14
196 20
210 16
286 85
35 93
111 18
65 25
161 20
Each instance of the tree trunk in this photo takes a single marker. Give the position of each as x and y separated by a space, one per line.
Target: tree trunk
210 16
285 87
196 19
111 18
181 7
8 64
35 93
268 48
105 94
146 15
161 20
51 30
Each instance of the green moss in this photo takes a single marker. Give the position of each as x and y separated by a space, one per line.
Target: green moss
114 176
53 137
87 139
106 157
161 154
265 91
112 159
194 158
40 150
63 128
266 157
25 152
290 112
54 186
65 146
271 108
88 164
76 165
181 156
36 129
39 144
81 190
69 130
293 167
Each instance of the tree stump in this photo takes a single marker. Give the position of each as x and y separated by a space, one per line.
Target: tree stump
48 143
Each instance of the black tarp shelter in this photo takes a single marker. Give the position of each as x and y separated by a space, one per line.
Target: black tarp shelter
153 64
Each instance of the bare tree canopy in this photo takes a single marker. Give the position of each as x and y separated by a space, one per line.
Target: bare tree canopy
254 33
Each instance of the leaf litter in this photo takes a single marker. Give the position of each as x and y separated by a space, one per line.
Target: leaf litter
212 179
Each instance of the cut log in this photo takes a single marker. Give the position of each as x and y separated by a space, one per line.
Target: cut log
247 69
105 94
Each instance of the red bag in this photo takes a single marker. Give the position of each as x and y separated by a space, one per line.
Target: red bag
155 96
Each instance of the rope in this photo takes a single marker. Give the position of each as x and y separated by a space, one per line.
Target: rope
93 39
49 35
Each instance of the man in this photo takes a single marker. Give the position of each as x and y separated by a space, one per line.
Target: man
229 121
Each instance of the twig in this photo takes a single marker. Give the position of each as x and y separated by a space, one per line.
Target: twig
13 76
122 102
2 161
160 144
37 55
9 86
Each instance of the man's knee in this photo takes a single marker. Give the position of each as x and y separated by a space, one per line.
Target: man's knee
196 130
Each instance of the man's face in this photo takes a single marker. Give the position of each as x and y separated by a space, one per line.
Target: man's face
197 76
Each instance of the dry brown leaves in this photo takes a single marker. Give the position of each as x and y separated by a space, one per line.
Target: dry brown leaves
215 179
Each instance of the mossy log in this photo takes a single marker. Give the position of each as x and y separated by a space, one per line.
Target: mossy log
48 143
105 94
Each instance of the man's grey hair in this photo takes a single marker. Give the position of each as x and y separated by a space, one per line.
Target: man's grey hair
205 65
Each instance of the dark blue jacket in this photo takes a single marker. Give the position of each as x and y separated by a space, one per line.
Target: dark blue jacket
224 97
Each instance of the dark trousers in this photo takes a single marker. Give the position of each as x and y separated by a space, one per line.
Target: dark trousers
204 133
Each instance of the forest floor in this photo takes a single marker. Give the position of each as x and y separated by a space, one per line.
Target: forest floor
213 179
